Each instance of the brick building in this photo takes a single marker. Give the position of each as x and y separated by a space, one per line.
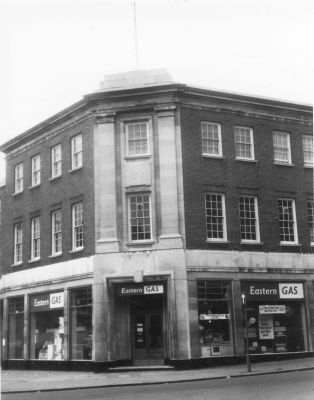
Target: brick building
136 222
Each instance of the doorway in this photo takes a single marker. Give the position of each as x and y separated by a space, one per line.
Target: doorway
147 329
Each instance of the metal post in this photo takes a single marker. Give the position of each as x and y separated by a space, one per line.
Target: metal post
247 351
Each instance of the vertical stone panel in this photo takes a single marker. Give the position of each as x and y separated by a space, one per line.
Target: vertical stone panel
105 185
26 328
309 308
170 232
238 319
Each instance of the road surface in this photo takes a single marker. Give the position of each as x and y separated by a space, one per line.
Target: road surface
281 386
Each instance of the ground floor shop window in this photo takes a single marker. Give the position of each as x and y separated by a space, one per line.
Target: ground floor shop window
81 323
276 327
214 317
47 326
16 328
47 335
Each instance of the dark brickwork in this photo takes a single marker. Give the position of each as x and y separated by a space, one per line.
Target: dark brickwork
232 177
59 193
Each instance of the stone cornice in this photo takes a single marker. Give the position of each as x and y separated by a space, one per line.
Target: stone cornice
36 284
105 118
269 117
42 136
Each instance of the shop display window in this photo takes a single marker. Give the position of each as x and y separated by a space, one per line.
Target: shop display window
47 335
81 323
214 317
16 328
276 327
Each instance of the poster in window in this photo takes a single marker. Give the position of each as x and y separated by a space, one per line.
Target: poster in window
266 327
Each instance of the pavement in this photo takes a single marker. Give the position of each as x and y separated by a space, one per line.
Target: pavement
19 381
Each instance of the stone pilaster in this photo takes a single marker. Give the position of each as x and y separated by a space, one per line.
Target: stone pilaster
105 184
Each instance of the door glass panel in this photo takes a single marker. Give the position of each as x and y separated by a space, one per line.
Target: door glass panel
140 334
155 331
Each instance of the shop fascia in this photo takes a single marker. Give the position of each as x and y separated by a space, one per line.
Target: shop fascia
139 289
272 290
47 301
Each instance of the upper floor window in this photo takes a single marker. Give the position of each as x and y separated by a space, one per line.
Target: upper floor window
215 217
18 243
249 226
77 226
140 217
18 178
137 138
35 170
310 209
282 152
56 161
244 147
35 239
287 221
211 139
76 152
56 224
308 150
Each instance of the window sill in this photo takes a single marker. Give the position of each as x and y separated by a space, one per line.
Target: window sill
218 241
55 255
282 164
76 250
34 260
287 244
218 157
249 160
137 157
53 178
141 243
308 166
17 193
34 186
71 171
252 243
17 264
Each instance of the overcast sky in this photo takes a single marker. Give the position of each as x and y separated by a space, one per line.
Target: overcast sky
55 51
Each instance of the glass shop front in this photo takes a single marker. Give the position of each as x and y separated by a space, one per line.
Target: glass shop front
275 316
47 326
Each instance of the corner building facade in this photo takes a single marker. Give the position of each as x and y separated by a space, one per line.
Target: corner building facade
136 222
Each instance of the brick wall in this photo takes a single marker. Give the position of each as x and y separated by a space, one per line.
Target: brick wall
232 177
59 193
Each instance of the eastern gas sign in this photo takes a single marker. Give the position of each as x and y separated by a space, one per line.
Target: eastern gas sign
46 301
272 290
139 289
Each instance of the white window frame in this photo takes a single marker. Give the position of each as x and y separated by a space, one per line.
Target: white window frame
294 220
18 244
255 218
130 153
56 232
18 178
35 239
76 151
35 166
207 130
56 161
222 217
77 227
311 220
287 148
139 218
239 143
307 144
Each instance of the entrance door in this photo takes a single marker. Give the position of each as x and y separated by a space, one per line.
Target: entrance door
147 336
